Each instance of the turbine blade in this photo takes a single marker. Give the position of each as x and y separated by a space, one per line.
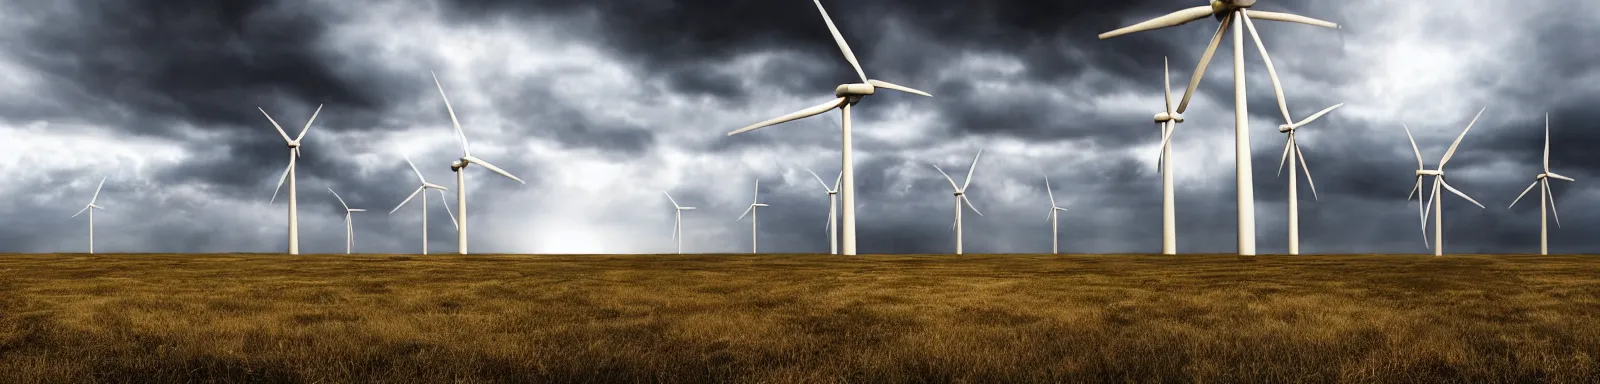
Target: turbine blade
492 167
755 197
341 200
836 181
1302 155
801 114
1422 212
285 135
358 210
446 202
1319 114
460 136
1524 193
971 168
1292 18
80 211
1547 143
1205 59
97 191
843 47
1287 144
1047 190
414 169
1452 151
1414 190
746 212
1429 207
946 176
1272 73
1169 20
1413 145
819 180
282 179
1166 140
1166 73
674 201
1552 197
1560 177
1458 192
969 204
408 199
434 186
308 123
897 87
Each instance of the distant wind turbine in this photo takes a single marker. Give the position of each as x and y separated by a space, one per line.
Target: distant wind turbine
1546 199
833 206
349 225
677 224
1438 181
961 196
1291 151
847 95
755 202
423 190
459 167
1054 216
288 174
1169 120
90 208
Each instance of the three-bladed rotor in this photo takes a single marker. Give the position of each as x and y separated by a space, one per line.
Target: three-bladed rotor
1423 209
461 138
293 144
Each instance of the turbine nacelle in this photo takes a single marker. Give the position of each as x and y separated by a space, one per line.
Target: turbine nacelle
854 90
1429 172
1220 8
1165 117
1284 128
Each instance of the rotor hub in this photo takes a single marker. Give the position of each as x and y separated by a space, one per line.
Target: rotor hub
294 144
1429 172
1165 117
457 165
1286 128
1541 176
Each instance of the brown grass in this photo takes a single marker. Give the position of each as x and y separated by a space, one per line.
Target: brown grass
800 319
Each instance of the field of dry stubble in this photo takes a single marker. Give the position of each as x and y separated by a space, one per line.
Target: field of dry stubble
798 318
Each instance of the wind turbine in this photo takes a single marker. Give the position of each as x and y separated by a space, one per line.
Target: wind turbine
423 189
833 206
754 202
1289 146
961 196
1239 14
90 208
1438 180
459 166
288 174
349 226
1546 199
847 95
677 224
1054 215
1169 122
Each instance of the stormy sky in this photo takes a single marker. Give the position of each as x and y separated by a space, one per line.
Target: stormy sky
602 105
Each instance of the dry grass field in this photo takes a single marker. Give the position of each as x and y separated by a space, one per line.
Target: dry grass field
798 318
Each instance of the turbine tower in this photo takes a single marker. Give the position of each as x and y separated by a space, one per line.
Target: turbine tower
833 206
349 225
961 196
847 95
288 174
1169 120
423 190
90 208
1054 216
1239 14
459 167
754 202
1546 199
1291 151
1438 180
677 224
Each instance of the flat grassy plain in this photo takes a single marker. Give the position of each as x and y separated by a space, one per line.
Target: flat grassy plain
798 318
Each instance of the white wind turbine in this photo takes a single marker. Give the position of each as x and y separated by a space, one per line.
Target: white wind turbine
423 189
1230 11
847 95
961 196
1054 216
754 203
1169 120
677 224
1289 146
459 166
1438 180
1546 199
833 206
349 225
90 208
288 174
